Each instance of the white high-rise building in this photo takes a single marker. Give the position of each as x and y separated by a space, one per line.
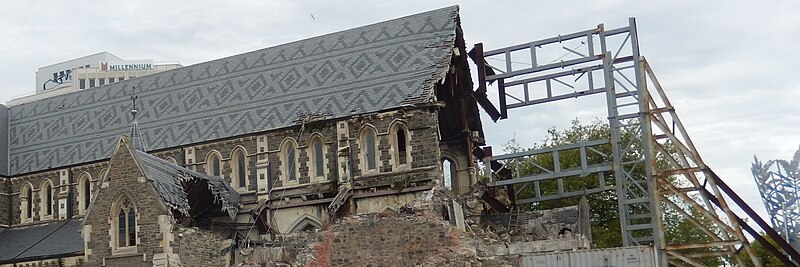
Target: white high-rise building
88 72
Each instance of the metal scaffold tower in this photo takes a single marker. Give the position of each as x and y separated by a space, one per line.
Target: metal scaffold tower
779 183
653 165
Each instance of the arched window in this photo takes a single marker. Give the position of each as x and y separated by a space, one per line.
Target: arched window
317 165
213 164
29 206
46 198
84 192
448 172
239 161
400 145
171 160
369 149
26 203
125 223
289 161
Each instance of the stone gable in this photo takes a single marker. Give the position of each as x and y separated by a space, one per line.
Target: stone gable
124 179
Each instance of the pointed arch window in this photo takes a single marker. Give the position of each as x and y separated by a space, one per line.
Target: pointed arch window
317 165
46 198
29 206
87 194
84 192
125 224
289 161
26 203
213 165
401 146
400 143
239 159
369 149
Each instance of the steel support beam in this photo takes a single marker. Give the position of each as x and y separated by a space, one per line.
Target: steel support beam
654 162
513 163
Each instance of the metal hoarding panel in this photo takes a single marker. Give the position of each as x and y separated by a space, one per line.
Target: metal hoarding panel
639 256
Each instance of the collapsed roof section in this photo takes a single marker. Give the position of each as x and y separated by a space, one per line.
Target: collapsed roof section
182 190
378 67
171 180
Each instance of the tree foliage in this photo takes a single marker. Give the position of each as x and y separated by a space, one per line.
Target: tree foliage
765 256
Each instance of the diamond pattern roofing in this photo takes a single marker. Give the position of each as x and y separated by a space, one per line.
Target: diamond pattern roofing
366 69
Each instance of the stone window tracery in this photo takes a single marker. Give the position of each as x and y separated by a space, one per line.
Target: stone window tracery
125 224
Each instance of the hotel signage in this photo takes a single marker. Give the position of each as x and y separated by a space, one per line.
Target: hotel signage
126 65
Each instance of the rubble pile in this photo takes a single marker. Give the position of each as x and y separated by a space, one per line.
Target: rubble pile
439 228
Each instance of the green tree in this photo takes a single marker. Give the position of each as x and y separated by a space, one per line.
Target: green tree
765 256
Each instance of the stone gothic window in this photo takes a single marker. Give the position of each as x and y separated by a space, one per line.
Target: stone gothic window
84 191
369 149
213 164
240 168
317 148
289 161
26 203
46 198
400 144
29 206
125 224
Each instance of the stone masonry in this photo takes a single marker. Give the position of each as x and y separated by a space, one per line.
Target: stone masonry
377 240
198 248
124 179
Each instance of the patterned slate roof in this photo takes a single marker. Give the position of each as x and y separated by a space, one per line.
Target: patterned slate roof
167 179
367 69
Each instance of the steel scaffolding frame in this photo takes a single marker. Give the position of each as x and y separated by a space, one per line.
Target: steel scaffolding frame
779 184
654 162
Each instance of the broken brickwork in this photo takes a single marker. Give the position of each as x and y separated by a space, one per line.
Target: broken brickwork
198 247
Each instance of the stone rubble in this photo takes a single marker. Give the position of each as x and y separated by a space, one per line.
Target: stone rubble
418 234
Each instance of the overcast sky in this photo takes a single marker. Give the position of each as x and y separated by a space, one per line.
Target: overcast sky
730 70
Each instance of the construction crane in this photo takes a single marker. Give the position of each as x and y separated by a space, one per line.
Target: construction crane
779 185
658 168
